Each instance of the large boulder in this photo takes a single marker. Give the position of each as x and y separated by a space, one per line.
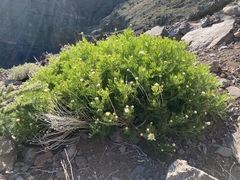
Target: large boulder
31 27
210 36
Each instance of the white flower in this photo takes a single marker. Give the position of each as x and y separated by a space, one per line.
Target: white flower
108 113
208 123
195 112
151 137
126 110
147 129
81 80
141 52
96 98
136 78
203 93
141 134
183 73
187 86
156 84
98 85
72 101
186 116
17 120
173 144
171 121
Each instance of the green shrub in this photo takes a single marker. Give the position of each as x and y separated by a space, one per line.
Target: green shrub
151 87
24 71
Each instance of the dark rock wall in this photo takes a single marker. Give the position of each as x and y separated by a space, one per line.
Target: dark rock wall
31 27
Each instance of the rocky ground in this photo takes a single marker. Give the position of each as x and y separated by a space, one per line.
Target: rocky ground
216 151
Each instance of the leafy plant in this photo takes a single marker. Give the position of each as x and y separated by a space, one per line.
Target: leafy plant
151 87
23 72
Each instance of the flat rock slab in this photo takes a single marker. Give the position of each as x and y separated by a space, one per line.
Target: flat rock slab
234 92
210 36
180 170
224 151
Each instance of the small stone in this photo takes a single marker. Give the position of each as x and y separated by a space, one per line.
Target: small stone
81 162
25 167
2 177
115 178
138 170
122 149
30 155
224 82
237 34
181 152
42 159
19 178
234 92
224 151
71 150
117 136
157 31
214 66
7 145
235 145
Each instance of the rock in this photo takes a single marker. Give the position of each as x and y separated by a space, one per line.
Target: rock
234 143
232 10
41 160
210 20
122 149
237 34
214 66
30 155
180 170
71 151
224 151
137 170
234 92
2 177
115 178
224 82
8 153
81 162
117 136
178 30
7 145
210 36
25 167
158 31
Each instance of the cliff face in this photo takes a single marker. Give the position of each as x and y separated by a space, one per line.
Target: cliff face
31 27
